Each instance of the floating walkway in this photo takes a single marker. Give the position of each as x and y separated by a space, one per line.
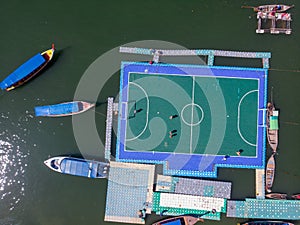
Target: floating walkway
157 53
264 209
260 183
108 133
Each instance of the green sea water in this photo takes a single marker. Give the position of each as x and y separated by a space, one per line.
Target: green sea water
31 194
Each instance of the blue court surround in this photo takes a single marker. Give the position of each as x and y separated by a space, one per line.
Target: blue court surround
192 163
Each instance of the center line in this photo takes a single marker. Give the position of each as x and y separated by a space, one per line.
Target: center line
192 116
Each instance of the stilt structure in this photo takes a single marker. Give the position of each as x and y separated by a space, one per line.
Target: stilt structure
280 23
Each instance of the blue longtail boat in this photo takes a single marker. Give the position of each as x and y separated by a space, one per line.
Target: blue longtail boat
63 109
27 70
78 167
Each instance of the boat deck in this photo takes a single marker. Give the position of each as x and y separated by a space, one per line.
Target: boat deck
260 183
130 189
264 209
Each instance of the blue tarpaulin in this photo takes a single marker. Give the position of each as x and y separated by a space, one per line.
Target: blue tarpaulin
58 109
79 168
175 222
23 71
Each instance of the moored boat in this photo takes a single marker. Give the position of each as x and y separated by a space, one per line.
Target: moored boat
266 222
296 196
27 70
180 220
270 172
78 167
63 109
272 126
270 8
276 196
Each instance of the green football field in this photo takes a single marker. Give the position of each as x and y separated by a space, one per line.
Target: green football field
205 114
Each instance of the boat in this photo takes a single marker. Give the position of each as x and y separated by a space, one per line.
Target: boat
270 172
266 222
272 126
180 220
296 196
270 8
63 109
78 167
276 196
27 70
274 8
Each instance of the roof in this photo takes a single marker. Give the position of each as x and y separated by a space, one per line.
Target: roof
23 71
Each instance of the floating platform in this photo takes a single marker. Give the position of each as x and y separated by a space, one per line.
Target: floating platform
217 111
196 187
264 209
130 189
180 204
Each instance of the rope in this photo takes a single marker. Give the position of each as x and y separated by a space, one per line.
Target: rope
285 70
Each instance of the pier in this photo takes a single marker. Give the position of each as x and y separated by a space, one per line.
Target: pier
260 183
264 209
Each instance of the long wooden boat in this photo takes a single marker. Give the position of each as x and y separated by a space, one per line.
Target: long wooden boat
272 126
63 109
270 172
27 70
180 220
266 222
270 8
78 167
278 196
296 196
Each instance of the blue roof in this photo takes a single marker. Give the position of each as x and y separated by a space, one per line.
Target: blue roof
58 109
79 167
23 71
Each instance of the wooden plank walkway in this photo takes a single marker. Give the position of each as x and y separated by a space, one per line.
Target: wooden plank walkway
260 183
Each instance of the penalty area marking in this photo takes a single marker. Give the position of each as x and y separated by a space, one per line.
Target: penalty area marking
147 113
238 119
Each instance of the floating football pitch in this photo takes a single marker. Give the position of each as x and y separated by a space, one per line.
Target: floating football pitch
190 117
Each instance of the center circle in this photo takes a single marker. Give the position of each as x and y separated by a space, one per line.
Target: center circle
188 114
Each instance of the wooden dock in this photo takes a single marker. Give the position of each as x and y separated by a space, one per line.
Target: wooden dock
260 183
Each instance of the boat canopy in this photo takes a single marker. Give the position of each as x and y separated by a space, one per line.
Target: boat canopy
175 222
58 109
23 71
79 168
274 121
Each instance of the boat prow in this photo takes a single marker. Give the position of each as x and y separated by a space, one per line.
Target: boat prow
27 70
296 196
